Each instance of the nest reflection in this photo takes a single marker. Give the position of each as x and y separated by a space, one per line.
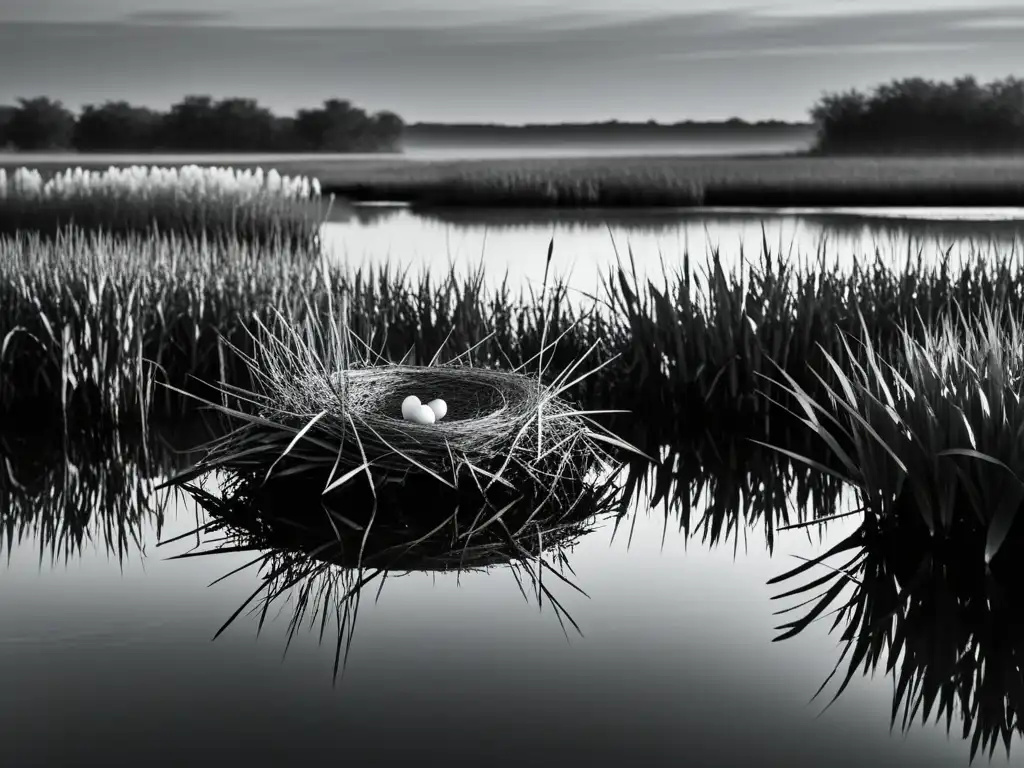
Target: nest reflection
320 552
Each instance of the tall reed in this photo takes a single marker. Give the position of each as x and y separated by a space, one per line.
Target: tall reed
191 200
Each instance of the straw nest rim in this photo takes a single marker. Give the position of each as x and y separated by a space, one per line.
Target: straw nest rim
493 417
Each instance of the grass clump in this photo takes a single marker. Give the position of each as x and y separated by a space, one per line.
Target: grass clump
89 323
191 201
928 436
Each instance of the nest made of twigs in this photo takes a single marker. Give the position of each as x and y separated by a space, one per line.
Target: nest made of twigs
502 427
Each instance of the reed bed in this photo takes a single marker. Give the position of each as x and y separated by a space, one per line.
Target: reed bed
795 180
191 200
685 182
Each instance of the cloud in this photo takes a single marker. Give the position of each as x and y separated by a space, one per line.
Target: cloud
993 22
176 18
490 65
866 49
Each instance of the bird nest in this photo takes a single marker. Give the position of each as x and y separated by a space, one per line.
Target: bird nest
501 428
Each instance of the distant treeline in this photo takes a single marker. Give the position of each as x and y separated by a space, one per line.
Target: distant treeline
911 115
197 124
917 115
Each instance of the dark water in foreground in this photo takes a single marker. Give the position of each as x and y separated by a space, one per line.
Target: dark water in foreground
111 663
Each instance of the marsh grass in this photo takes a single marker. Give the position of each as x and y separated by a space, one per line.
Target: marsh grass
89 323
928 436
702 351
93 327
687 182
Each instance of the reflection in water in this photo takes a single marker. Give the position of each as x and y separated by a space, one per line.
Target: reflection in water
721 491
94 486
945 625
321 552
678 639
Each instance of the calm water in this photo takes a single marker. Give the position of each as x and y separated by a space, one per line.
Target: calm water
587 242
111 663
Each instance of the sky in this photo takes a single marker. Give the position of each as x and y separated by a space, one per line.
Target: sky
508 61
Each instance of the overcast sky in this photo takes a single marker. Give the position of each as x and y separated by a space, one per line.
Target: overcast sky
501 60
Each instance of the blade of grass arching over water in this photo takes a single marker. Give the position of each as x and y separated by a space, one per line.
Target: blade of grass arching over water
298 436
407 456
851 542
333 484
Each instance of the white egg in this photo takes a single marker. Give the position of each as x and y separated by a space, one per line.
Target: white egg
439 407
409 406
422 415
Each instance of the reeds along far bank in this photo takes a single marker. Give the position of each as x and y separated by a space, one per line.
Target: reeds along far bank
189 201
804 181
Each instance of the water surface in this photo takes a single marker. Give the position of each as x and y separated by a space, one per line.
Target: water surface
108 663
588 242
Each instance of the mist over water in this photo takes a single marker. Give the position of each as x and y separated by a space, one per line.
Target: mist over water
698 146
421 150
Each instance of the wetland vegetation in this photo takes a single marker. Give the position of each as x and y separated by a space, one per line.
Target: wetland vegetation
771 393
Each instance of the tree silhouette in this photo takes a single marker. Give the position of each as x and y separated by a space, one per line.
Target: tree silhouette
918 115
116 126
197 123
40 123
